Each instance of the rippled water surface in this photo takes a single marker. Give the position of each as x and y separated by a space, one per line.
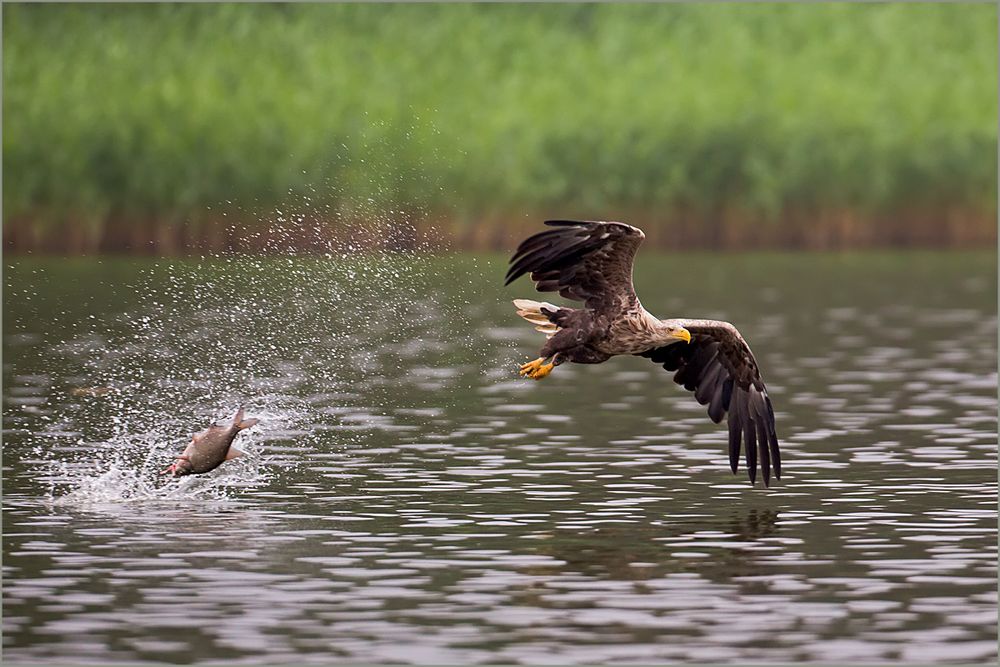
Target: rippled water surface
406 498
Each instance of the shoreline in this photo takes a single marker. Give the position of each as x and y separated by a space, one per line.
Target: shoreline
726 230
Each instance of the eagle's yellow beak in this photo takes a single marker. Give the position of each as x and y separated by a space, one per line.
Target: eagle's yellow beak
683 334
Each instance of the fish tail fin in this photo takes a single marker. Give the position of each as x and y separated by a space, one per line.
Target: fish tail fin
241 423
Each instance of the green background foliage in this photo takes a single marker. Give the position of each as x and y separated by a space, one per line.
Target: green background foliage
166 111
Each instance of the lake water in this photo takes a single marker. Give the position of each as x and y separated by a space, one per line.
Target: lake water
407 498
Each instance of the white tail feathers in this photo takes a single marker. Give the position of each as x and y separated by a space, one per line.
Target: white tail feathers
532 311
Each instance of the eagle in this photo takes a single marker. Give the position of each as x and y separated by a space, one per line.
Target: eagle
591 262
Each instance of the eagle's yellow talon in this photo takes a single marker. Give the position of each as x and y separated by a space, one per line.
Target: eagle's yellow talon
536 369
542 371
529 368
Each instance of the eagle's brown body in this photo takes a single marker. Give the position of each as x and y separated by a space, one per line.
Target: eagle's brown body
592 262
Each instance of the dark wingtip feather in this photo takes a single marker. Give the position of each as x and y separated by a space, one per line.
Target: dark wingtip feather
734 445
534 243
513 273
551 250
517 270
775 456
773 438
765 456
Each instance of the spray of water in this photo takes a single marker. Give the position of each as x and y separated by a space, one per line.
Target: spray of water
269 326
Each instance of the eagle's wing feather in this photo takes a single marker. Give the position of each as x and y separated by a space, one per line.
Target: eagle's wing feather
584 261
719 368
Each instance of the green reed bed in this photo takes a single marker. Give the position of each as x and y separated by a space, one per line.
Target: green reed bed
150 116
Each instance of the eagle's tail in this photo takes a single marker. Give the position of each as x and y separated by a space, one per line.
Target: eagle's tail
538 314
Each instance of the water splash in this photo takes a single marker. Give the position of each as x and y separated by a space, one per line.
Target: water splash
270 325
128 467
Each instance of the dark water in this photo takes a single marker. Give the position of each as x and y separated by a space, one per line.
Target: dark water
406 498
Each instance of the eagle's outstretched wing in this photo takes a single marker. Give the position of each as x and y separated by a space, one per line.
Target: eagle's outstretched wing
583 261
719 368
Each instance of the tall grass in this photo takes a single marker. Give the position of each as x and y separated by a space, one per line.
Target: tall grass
170 113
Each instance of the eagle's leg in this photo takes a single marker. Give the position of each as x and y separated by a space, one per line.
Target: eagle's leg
538 369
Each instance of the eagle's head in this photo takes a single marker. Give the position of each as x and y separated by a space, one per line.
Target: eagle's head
674 331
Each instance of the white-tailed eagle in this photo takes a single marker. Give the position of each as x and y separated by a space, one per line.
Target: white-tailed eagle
591 262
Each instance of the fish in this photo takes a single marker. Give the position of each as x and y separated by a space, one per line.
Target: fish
210 448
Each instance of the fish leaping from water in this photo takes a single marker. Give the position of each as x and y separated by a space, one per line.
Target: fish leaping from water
210 448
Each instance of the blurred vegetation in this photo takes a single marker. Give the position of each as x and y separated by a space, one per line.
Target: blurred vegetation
156 115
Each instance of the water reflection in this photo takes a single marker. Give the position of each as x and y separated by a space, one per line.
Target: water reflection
641 551
416 503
